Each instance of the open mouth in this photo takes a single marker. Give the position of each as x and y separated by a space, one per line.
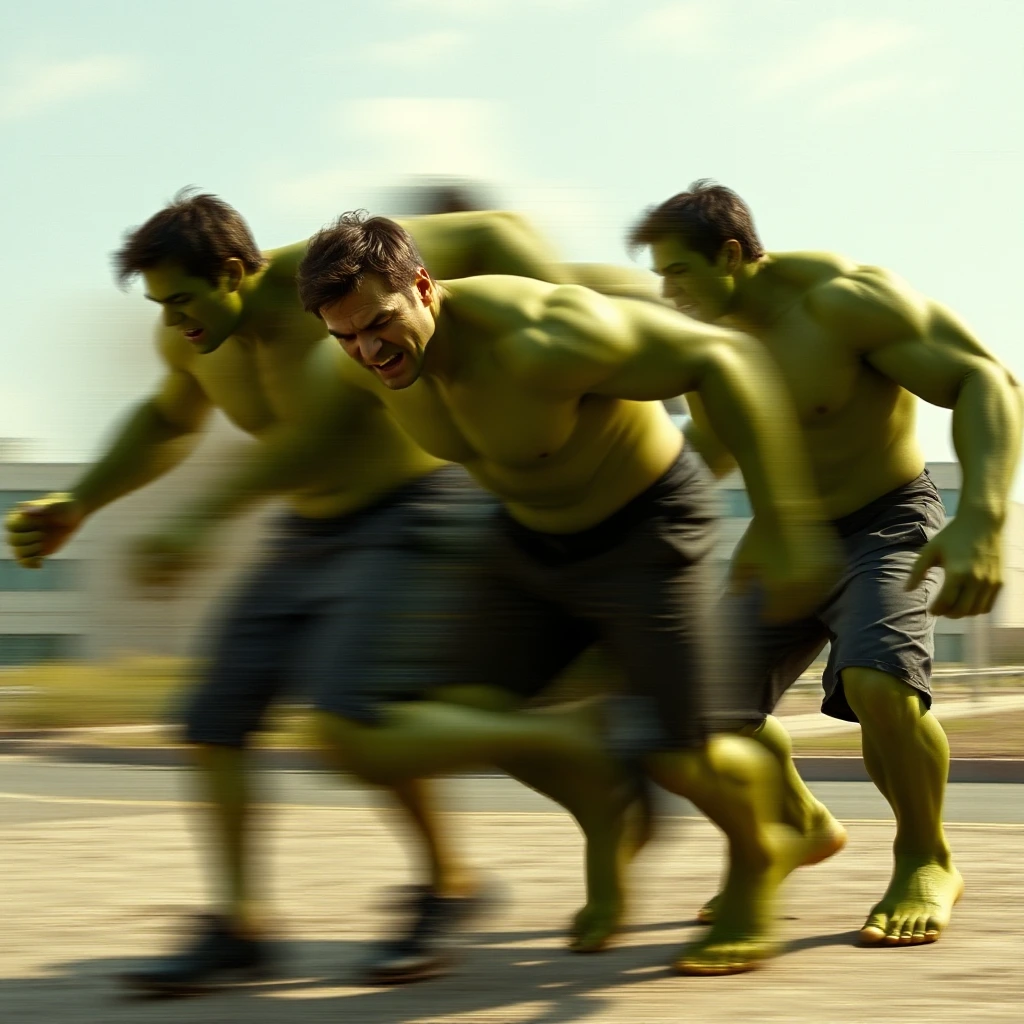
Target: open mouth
195 334
389 365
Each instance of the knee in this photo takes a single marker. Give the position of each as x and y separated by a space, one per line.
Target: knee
881 700
345 745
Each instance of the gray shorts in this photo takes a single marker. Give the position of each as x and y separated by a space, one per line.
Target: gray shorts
870 620
638 583
345 613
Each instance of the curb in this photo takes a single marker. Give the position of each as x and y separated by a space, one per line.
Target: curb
812 769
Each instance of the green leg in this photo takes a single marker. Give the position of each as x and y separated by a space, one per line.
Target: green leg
414 800
801 809
556 752
907 755
737 784
223 780
613 832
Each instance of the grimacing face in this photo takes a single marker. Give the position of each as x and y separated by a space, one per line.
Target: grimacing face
206 314
696 286
385 331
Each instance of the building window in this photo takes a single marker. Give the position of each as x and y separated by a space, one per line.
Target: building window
53 574
949 647
736 502
29 648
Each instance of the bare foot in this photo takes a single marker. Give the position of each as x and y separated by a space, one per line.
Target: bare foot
742 938
824 838
917 905
596 925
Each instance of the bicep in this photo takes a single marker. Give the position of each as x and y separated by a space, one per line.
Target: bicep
660 353
933 358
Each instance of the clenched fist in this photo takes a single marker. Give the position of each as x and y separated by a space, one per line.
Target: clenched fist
36 529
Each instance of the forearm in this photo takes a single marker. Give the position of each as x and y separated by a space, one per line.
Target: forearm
749 410
987 419
717 458
146 447
285 459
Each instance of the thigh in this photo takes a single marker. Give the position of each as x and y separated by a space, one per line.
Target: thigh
652 596
878 624
415 622
761 660
245 661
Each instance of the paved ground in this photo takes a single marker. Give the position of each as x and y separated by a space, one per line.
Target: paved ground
93 880
33 789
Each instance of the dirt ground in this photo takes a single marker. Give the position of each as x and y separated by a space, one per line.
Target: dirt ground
85 897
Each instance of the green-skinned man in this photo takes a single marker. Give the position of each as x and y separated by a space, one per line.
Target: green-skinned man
857 347
548 395
351 588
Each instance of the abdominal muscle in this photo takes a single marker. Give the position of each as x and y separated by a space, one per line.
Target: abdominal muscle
617 451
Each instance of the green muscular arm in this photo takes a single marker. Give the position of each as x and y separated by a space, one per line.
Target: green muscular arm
455 245
924 348
157 435
155 438
585 344
699 432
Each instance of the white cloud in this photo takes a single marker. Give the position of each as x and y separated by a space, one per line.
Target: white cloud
385 141
424 48
834 47
37 85
674 27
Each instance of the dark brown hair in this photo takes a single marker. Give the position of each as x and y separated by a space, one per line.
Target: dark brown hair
705 217
197 231
356 244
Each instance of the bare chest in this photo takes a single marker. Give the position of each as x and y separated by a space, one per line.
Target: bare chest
489 420
824 378
234 381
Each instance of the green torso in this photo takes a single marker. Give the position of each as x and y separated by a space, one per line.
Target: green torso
559 463
859 426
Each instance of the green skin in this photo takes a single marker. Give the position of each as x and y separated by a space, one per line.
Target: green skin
273 371
547 395
857 347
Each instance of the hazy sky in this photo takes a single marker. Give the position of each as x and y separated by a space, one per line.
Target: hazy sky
889 130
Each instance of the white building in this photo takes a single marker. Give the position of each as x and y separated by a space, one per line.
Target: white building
83 604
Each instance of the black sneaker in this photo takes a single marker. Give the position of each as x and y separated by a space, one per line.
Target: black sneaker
427 950
217 955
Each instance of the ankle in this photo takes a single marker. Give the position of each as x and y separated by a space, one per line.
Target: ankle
937 853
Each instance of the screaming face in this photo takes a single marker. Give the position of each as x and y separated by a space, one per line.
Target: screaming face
384 330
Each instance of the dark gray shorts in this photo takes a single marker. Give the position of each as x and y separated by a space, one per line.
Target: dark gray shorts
639 583
346 613
870 620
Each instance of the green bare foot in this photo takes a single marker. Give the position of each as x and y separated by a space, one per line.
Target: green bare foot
824 838
741 938
594 927
917 905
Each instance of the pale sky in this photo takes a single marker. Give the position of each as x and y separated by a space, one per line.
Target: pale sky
887 130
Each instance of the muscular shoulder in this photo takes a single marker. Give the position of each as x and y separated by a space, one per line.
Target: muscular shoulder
563 328
868 305
283 264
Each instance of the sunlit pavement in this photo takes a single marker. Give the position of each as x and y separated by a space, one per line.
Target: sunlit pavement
100 867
